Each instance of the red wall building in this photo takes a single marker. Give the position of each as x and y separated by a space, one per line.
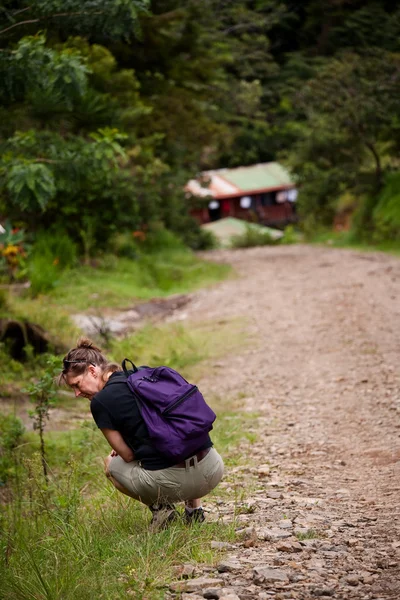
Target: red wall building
264 193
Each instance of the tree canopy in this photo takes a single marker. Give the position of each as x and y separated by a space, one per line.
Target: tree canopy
108 107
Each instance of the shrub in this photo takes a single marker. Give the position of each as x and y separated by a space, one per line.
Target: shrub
253 236
386 214
43 274
203 240
290 236
58 247
11 431
159 239
13 254
53 252
124 245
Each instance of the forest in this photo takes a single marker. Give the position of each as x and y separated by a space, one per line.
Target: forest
108 107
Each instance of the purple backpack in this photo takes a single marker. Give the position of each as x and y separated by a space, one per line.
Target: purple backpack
177 417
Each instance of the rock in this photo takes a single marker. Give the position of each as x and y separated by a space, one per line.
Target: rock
265 574
192 585
284 547
263 471
352 580
323 591
274 495
273 535
212 593
221 545
231 596
248 533
285 524
229 566
191 597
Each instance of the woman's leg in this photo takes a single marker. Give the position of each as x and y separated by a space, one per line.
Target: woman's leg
115 483
196 503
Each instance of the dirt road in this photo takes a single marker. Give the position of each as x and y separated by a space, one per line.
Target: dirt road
321 495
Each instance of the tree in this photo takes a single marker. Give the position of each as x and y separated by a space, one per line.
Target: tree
351 116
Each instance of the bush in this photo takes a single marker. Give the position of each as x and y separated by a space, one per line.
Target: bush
386 214
253 236
13 254
11 431
53 252
203 240
57 247
157 238
43 274
124 245
290 236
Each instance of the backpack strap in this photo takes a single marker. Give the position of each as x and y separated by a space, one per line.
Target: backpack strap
125 370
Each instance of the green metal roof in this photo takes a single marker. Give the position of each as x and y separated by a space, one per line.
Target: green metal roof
257 177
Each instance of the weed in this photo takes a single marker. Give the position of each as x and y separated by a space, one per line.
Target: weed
310 534
42 396
11 431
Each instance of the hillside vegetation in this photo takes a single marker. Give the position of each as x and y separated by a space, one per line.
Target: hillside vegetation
108 108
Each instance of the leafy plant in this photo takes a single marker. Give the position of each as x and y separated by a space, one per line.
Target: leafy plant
13 253
42 395
11 432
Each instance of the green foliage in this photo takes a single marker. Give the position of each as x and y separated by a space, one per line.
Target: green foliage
350 109
30 185
103 19
11 432
43 274
290 236
105 117
158 239
42 396
53 252
13 254
386 212
57 246
252 237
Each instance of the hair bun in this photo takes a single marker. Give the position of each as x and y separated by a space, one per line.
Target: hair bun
87 343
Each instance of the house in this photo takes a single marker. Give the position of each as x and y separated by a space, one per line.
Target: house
262 192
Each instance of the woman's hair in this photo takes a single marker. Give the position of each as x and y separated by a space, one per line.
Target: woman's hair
86 353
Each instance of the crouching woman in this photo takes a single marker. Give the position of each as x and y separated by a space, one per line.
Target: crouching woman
134 466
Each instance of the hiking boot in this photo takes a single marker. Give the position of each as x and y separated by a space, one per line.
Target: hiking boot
194 516
163 515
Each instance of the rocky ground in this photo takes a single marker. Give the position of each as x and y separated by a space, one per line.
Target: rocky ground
319 496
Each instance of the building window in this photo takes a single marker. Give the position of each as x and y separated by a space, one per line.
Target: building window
268 199
245 202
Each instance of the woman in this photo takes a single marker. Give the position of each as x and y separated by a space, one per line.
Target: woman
134 466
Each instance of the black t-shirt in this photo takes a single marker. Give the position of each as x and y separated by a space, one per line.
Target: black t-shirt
115 407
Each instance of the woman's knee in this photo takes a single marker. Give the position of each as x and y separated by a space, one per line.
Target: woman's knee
107 462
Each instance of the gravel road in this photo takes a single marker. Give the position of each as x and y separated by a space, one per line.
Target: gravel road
321 491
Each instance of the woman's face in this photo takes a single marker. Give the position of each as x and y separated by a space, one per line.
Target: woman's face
87 384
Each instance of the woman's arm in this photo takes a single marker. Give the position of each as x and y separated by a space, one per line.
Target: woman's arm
117 443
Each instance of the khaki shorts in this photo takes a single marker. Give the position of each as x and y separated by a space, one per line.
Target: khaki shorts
170 485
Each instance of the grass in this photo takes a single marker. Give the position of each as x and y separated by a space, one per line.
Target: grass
311 534
78 538
345 239
118 282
